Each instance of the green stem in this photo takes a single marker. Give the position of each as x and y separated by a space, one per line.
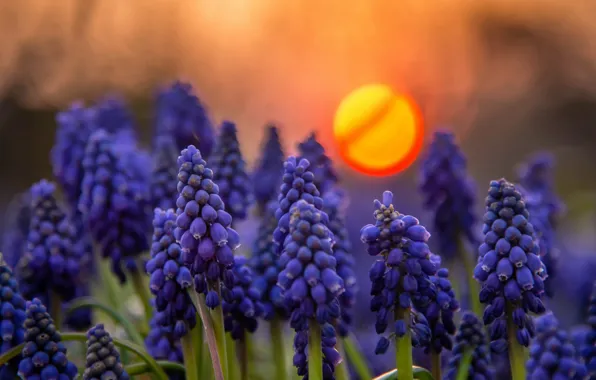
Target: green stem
142 290
199 303
117 317
56 309
435 358
11 354
315 353
196 335
279 356
233 373
473 286
517 352
108 283
189 354
220 336
463 370
403 348
355 357
142 368
341 371
206 368
245 354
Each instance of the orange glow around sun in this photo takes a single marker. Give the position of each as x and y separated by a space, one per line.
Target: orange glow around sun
378 132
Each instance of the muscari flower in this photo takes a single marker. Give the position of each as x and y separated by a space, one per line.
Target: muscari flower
509 266
552 355
265 265
545 208
164 173
320 164
588 351
229 172
204 227
52 260
161 343
449 193
12 317
401 274
44 354
179 113
170 278
269 169
342 250
115 199
241 304
103 359
14 238
112 115
311 284
470 338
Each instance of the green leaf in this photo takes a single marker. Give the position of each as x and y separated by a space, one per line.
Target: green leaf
117 317
141 368
419 373
10 354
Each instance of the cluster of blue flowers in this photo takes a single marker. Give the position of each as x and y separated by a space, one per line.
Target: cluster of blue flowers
12 317
552 355
588 350
320 164
50 261
230 173
162 345
103 359
204 227
115 199
241 303
403 272
44 354
170 278
18 219
269 169
509 266
342 250
165 172
449 192
112 115
310 283
470 339
180 114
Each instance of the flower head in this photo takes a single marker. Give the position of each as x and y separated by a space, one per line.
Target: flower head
170 278
402 272
470 339
552 355
320 164
181 114
310 283
18 219
266 268
44 354
267 175
241 303
589 349
112 115
204 227
229 172
165 172
448 192
509 266
115 200
103 359
161 343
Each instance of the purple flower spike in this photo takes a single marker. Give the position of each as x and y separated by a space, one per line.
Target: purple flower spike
267 176
165 173
103 359
320 164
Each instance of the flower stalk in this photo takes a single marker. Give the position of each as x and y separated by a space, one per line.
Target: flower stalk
315 356
517 352
403 348
279 355
355 357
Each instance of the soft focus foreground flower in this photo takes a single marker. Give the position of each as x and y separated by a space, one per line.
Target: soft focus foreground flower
589 350
52 260
179 113
115 199
204 227
170 279
103 359
265 264
266 177
297 184
509 266
18 219
552 355
320 164
241 304
12 317
229 172
448 192
545 208
470 339
165 172
342 250
310 283
44 354
161 344
112 115
403 272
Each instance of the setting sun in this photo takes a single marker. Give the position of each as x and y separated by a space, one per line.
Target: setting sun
377 131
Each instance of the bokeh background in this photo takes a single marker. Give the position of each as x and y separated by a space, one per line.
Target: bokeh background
508 77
